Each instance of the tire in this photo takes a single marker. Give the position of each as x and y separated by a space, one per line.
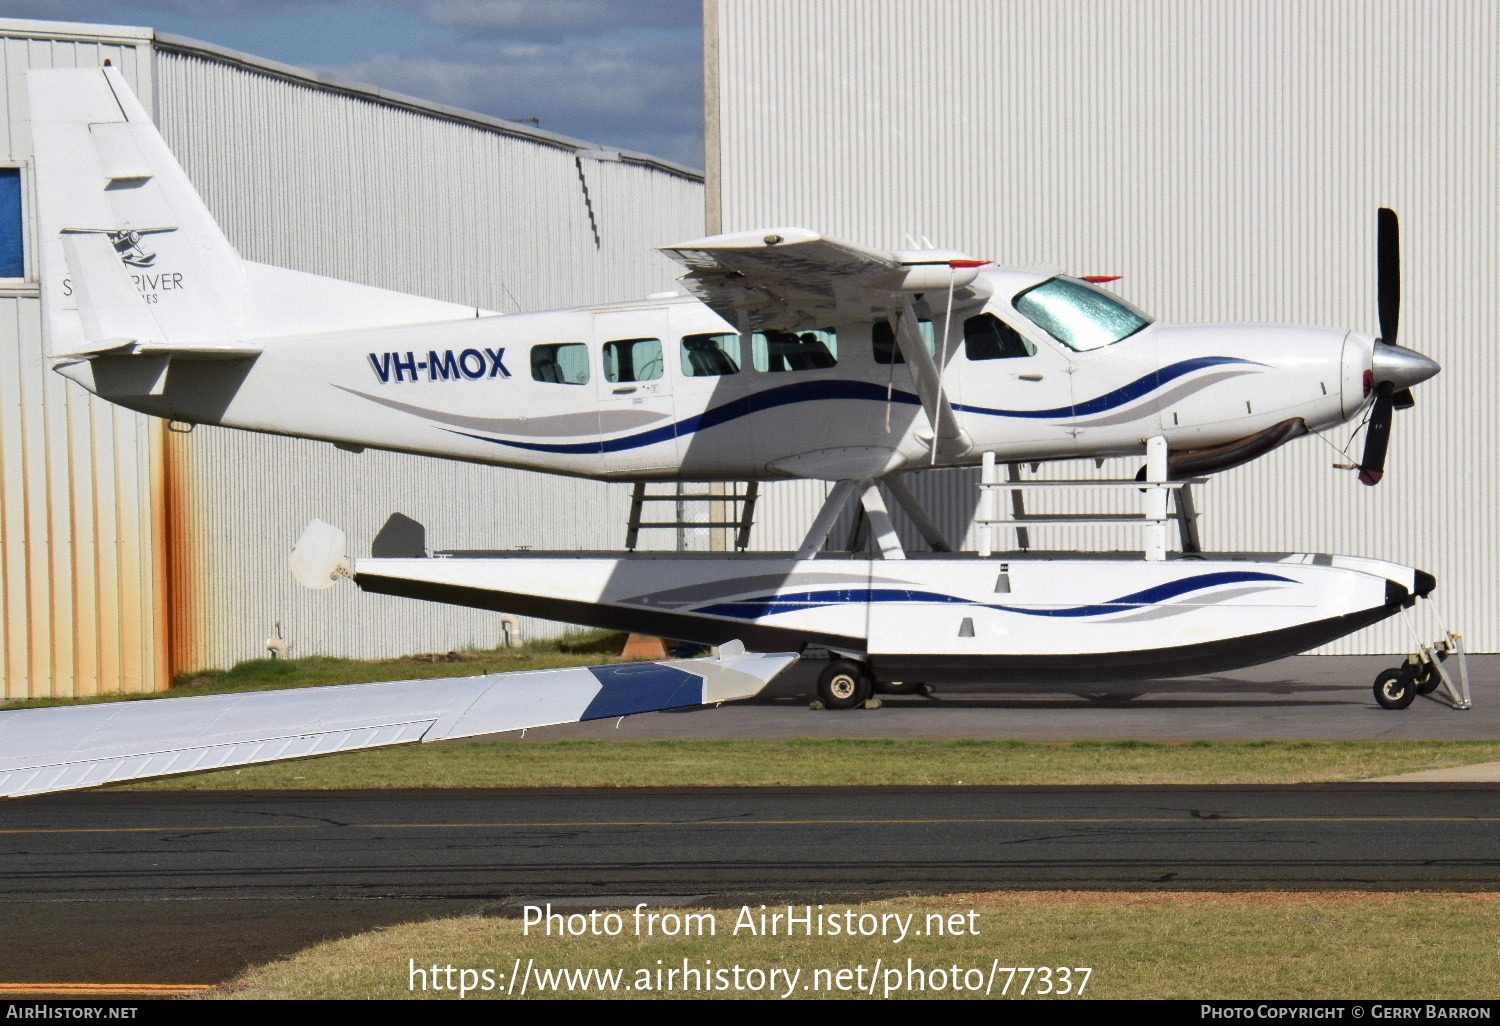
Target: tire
1428 682
901 687
844 684
1395 689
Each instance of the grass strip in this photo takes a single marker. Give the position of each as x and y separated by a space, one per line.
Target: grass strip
1329 945
585 649
820 761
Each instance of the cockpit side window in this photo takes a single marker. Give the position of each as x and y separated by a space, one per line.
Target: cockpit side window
561 363
987 337
1078 315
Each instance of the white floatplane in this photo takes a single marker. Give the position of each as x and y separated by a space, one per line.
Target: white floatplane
794 356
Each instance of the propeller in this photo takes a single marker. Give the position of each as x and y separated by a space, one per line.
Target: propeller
1395 368
1378 437
1388 273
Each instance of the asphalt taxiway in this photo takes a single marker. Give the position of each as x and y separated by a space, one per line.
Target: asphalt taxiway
197 885
1324 698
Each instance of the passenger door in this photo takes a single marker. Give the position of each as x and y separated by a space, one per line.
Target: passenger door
634 349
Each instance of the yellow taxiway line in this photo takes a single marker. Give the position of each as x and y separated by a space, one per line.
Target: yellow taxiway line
106 989
577 824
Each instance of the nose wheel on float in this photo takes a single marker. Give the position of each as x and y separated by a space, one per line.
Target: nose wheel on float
1424 673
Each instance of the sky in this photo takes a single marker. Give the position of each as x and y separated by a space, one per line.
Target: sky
623 73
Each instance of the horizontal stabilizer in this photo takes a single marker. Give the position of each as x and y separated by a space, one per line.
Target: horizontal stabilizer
64 748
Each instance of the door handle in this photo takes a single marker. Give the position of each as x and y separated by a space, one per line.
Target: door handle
1030 377
623 391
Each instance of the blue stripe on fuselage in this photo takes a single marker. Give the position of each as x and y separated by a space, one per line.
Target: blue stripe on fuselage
810 391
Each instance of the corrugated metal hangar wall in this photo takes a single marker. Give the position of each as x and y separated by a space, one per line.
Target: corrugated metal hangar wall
129 552
1226 158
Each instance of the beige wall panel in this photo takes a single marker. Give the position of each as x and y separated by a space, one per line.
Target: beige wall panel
1226 158
82 594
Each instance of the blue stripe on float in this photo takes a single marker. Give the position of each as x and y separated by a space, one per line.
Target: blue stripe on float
642 687
768 605
810 391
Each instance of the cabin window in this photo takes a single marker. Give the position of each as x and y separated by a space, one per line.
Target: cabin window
883 338
710 356
794 350
633 359
1078 315
987 337
561 363
12 228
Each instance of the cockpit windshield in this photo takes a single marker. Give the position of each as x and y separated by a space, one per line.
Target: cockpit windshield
1078 315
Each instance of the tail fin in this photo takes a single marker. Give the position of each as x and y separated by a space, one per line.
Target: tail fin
130 256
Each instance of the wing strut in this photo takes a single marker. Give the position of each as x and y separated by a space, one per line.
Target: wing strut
949 437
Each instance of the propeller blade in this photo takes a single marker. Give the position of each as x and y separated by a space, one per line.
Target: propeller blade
1404 399
1378 437
1388 271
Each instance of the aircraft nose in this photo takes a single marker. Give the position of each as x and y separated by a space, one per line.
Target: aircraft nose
1400 366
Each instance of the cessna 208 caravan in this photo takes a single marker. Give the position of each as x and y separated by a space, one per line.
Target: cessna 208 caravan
795 356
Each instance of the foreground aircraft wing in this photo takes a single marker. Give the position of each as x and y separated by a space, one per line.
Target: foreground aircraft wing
791 279
67 747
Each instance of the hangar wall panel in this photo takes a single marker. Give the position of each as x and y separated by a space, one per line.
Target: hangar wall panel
80 493
1226 158
336 179
352 188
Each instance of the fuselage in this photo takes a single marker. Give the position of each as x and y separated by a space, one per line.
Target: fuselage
666 388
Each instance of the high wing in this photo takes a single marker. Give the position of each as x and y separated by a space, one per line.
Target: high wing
787 278
63 748
791 279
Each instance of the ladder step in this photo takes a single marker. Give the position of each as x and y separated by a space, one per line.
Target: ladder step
694 497
1072 518
1102 483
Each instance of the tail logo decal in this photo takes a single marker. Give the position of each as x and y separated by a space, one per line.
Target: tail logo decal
127 243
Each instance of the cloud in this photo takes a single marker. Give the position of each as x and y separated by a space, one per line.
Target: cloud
556 19
132 11
625 73
644 95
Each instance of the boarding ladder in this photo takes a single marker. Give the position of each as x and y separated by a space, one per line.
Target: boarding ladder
731 507
1153 492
